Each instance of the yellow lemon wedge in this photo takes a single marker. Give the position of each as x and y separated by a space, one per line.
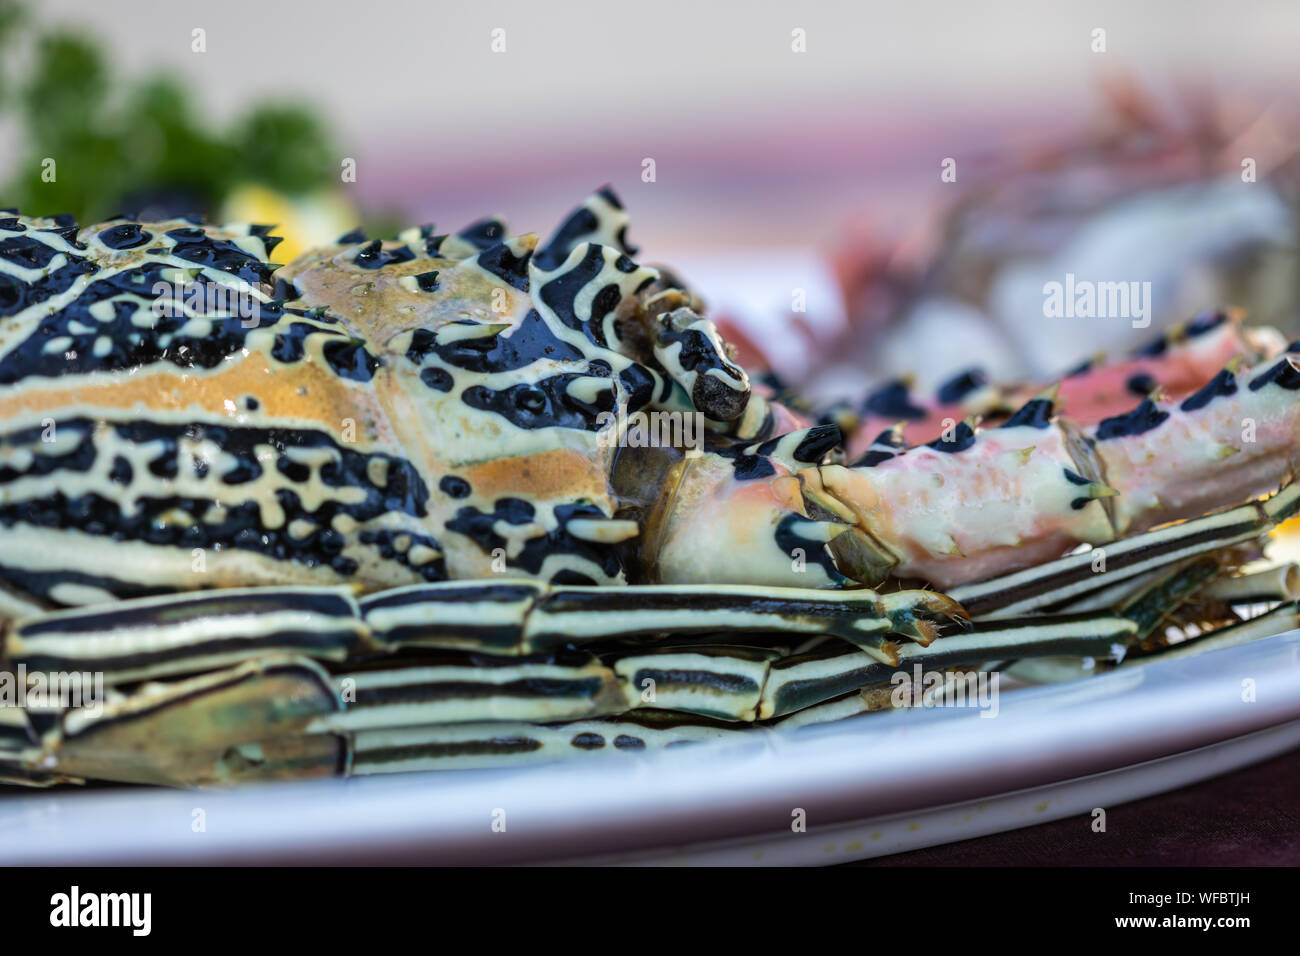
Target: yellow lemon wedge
314 219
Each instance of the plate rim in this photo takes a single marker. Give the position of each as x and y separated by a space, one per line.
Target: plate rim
706 793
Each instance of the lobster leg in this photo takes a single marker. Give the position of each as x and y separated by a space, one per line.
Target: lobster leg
974 505
246 723
1281 583
417 616
1237 437
456 687
967 506
273 714
287 718
837 683
1282 618
799 682
1073 579
284 718
188 633
469 746
1178 361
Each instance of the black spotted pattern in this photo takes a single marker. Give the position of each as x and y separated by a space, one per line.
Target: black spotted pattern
29 252
516 348
133 343
511 269
713 396
963 437
1142 419
1225 383
788 539
888 444
1035 413
480 527
375 256
483 234
240 526
1283 374
561 293
545 403
893 400
961 385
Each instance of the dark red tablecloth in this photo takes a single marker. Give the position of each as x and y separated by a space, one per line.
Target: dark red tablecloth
1250 817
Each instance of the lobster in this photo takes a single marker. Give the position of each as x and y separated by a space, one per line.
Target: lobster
394 506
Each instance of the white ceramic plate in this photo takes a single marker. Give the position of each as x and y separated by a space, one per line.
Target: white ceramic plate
874 784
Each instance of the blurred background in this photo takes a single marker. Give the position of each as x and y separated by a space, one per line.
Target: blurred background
775 170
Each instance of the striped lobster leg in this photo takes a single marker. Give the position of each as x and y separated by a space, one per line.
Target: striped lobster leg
457 687
291 716
441 616
802 681
277 718
253 723
186 633
836 684
1236 438
287 717
1106 575
1284 616
318 664
282 717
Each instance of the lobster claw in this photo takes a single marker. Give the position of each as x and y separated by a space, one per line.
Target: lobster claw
856 553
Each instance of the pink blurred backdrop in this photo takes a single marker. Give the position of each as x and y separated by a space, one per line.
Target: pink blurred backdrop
757 148
754 144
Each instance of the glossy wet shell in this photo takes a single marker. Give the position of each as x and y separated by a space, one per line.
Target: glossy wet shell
384 415
378 414
495 389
